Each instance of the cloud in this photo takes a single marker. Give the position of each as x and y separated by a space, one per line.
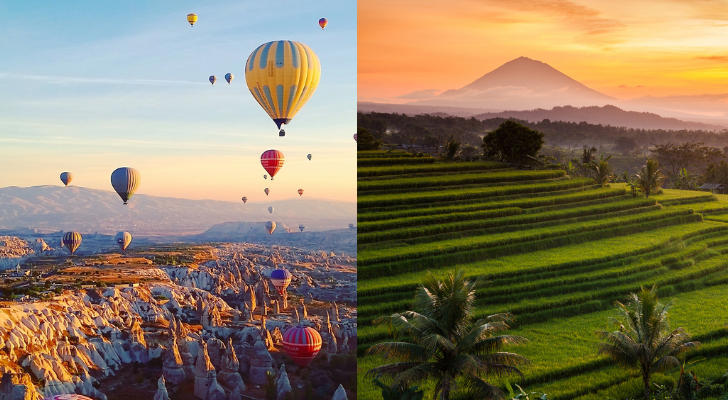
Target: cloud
420 94
713 58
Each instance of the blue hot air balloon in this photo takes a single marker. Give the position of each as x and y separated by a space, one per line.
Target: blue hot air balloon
280 278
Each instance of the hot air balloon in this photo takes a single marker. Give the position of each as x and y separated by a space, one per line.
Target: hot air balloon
351 226
301 227
245 200
302 344
270 226
272 161
322 23
270 209
66 178
229 77
192 18
125 181
300 192
282 75
266 191
71 241
123 239
213 79
309 157
71 396
280 278
355 137
265 176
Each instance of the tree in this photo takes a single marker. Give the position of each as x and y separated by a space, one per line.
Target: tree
601 170
686 155
717 173
512 142
452 148
625 145
365 141
644 339
649 178
442 342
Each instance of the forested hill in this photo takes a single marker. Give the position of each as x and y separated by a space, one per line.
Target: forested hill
436 130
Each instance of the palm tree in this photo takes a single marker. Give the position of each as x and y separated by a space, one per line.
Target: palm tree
650 177
442 342
644 339
601 170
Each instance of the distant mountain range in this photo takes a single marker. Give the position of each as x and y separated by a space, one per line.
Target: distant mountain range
53 208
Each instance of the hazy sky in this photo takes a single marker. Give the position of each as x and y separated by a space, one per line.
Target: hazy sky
625 49
89 86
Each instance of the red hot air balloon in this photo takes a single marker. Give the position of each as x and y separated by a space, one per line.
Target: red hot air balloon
302 344
272 161
322 23
300 192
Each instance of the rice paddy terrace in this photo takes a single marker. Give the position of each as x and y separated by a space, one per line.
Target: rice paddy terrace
555 251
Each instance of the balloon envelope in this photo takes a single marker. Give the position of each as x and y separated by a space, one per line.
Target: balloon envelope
270 226
66 178
125 181
301 227
266 191
351 226
213 79
322 23
229 77
300 192
302 344
71 241
245 200
309 157
281 278
282 75
355 137
123 239
270 209
192 18
272 161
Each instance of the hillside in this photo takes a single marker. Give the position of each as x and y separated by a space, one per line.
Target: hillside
53 208
555 250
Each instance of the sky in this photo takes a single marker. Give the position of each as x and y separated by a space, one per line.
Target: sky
89 86
626 49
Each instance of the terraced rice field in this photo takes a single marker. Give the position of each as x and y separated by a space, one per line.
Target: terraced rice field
556 251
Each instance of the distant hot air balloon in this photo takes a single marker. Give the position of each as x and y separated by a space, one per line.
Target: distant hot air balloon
245 200
229 77
270 226
280 278
272 161
123 239
125 181
351 226
71 396
309 157
266 191
322 23
66 178
213 79
71 241
302 344
282 76
355 137
270 209
301 227
265 176
300 192
192 18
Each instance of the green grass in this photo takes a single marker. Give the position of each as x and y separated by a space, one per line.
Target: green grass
462 179
376 162
429 168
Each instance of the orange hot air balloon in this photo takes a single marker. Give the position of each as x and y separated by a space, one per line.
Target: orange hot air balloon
272 161
300 192
322 23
